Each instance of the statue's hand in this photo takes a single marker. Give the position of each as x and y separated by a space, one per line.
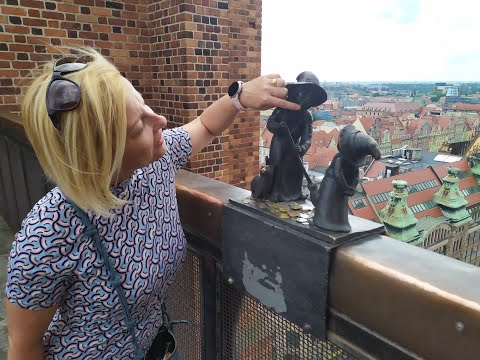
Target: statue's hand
312 187
283 127
302 150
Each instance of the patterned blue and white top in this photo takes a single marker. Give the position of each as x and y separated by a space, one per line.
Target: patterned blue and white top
52 262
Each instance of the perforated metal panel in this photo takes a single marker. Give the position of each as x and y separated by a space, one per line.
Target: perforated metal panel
245 329
184 303
250 331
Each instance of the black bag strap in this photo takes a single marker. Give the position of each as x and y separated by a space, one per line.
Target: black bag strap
115 281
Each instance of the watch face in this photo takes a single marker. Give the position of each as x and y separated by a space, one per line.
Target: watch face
233 89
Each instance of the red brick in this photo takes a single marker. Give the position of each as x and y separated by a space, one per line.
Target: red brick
23 65
35 22
10 10
68 8
53 15
55 32
8 73
21 48
7 55
9 108
32 4
33 13
6 37
17 29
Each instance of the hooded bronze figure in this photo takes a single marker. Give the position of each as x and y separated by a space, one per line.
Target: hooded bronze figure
341 179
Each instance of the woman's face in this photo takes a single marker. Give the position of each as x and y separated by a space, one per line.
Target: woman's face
145 142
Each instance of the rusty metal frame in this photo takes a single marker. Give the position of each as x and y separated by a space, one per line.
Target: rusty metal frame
388 300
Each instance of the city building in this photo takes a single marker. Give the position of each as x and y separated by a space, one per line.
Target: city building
436 208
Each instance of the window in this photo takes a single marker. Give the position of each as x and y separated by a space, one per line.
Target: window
359 204
471 190
427 205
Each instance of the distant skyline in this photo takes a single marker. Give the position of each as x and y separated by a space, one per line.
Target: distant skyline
372 40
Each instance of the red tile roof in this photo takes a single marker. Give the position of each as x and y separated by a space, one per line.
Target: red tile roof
432 173
335 133
319 122
367 123
375 169
320 159
412 178
345 120
391 107
364 212
319 139
466 107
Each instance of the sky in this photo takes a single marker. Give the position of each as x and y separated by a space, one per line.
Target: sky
372 40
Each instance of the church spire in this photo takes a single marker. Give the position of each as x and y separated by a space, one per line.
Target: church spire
451 201
397 217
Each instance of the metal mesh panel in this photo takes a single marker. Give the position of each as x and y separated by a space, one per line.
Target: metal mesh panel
250 331
183 303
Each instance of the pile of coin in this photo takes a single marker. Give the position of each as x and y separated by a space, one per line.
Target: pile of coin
301 213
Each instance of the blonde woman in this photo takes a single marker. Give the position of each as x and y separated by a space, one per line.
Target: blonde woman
89 268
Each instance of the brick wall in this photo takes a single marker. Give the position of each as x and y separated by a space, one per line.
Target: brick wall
179 54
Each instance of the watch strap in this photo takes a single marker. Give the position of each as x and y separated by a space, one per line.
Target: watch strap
236 101
236 97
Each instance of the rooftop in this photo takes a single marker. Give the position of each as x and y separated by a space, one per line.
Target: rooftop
422 185
428 159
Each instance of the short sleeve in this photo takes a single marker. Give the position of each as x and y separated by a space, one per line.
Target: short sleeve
39 268
179 146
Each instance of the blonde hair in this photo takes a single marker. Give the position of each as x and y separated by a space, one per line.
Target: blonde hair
85 155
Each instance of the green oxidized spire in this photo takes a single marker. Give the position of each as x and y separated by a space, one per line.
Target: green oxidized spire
451 201
476 168
397 217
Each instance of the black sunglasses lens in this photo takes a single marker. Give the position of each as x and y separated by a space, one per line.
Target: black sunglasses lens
70 67
63 95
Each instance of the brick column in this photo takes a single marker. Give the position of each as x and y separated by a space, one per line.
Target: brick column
197 51
180 55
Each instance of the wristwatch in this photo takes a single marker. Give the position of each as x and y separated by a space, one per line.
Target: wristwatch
234 91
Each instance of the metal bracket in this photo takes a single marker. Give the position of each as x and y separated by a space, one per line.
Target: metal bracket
284 268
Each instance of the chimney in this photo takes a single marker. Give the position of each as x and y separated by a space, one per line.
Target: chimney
451 201
391 170
397 217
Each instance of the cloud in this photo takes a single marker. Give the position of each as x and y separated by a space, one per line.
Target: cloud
402 11
372 40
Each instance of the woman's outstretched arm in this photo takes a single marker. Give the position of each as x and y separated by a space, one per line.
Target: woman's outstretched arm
259 94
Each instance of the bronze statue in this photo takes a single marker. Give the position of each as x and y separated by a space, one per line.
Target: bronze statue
341 179
281 179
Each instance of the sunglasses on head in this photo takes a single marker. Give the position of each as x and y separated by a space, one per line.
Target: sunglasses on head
63 94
